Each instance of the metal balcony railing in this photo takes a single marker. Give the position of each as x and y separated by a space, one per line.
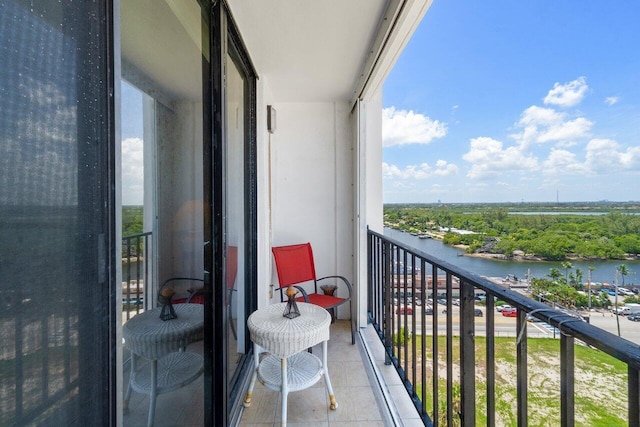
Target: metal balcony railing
400 282
136 256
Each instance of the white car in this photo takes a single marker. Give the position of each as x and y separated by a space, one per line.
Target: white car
503 307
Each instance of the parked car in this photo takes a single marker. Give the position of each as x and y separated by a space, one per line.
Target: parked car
634 317
404 309
477 312
501 308
625 291
428 311
510 312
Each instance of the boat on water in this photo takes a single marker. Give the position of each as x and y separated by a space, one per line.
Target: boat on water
424 236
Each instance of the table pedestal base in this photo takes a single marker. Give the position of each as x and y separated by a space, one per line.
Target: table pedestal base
294 373
173 371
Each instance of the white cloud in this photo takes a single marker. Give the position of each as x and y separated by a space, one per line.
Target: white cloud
610 100
561 162
568 94
422 171
132 172
488 158
406 127
607 156
542 125
601 157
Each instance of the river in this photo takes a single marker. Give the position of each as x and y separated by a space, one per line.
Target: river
604 270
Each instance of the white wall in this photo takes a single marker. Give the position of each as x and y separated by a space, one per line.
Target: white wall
368 203
373 177
263 142
312 184
180 190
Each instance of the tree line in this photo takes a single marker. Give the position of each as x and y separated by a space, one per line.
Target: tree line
614 235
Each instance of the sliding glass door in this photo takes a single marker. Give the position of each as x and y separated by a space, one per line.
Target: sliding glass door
57 240
233 174
165 101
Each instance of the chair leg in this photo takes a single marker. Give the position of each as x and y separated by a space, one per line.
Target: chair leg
256 362
333 404
284 391
353 324
154 393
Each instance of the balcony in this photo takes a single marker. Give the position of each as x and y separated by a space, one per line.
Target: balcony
384 379
475 384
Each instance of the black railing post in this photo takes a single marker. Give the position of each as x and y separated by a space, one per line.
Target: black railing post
491 363
521 366
634 396
434 342
449 349
567 404
467 355
370 276
387 302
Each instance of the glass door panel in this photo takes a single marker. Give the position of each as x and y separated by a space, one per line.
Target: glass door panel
56 196
162 57
236 220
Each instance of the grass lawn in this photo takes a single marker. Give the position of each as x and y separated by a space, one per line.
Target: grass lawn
600 382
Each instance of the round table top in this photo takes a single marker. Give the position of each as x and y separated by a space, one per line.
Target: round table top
147 335
285 337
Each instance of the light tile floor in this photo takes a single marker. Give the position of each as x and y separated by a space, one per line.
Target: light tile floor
357 405
358 398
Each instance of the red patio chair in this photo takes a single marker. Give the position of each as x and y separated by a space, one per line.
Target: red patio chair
187 292
295 266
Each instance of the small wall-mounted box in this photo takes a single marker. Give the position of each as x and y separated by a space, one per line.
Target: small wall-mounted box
271 119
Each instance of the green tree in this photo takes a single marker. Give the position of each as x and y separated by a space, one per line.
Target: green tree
567 266
623 270
554 274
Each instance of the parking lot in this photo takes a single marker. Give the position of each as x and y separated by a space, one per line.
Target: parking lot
506 326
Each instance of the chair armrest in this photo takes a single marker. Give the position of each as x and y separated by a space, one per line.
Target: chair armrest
303 292
341 278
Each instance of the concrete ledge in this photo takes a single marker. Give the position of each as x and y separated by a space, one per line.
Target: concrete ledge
394 402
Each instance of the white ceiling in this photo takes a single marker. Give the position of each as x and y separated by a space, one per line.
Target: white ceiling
161 47
309 50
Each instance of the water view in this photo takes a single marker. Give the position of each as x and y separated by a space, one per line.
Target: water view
605 271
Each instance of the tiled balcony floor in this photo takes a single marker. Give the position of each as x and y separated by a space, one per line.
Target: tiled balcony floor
355 394
357 405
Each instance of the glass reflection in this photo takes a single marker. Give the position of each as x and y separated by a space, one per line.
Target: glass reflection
235 226
162 57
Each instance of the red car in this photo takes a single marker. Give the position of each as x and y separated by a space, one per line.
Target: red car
510 312
401 310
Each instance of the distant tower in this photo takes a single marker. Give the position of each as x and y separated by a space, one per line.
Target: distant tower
557 197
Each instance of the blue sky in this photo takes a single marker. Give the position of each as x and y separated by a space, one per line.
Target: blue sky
132 148
509 101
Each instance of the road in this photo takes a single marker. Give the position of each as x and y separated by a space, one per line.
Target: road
506 326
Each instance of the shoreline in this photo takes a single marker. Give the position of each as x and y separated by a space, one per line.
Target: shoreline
513 258
533 258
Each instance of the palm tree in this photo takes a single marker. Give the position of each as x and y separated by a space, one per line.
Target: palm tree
623 270
554 274
591 268
578 278
566 265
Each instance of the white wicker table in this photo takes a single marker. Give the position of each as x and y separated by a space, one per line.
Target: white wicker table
289 367
163 343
